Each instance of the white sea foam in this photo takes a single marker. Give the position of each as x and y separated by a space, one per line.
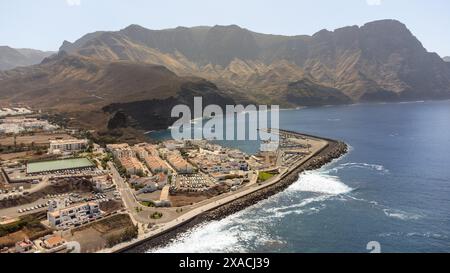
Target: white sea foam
230 234
427 235
399 214
374 167
313 181
236 232
300 208
390 212
324 186
414 234
208 237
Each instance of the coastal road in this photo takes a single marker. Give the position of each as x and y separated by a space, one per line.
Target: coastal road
320 145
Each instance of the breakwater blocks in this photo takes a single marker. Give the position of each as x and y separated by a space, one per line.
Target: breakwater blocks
334 150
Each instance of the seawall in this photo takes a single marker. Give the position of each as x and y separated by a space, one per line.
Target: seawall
333 150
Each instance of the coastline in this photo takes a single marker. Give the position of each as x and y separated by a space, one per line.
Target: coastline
147 132
333 150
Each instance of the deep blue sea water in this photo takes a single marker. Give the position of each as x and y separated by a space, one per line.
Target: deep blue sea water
393 187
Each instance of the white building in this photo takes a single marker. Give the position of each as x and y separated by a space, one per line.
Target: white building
103 183
120 150
17 125
179 163
66 217
14 111
67 145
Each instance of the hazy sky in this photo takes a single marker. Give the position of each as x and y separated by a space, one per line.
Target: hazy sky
45 24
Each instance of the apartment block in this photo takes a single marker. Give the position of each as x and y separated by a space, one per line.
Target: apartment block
68 145
66 217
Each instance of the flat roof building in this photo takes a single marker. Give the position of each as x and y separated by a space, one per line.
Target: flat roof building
179 164
140 151
156 164
131 164
53 241
67 145
58 165
65 217
121 150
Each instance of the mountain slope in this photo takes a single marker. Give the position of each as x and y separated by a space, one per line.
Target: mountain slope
381 60
446 59
95 91
309 93
11 58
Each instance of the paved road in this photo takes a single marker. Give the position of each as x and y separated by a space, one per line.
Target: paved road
226 198
129 199
12 212
125 192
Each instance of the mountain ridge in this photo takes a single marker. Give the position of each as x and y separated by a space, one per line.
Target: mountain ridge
11 58
109 81
381 60
93 92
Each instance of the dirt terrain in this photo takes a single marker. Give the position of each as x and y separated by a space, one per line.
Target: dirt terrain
27 227
186 199
41 139
110 206
95 236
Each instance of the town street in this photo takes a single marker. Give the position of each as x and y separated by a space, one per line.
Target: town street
217 201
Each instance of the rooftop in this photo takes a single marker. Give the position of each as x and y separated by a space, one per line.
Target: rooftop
68 141
58 165
54 241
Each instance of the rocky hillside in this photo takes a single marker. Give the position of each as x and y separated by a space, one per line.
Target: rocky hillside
101 94
379 61
132 78
11 58
447 59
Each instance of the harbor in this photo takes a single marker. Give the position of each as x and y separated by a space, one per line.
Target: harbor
233 202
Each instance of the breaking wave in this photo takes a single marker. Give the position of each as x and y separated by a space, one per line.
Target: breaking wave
367 166
428 234
398 214
249 228
304 207
323 186
317 182
236 233
208 237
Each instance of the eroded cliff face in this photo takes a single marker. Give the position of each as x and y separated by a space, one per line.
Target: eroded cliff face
380 61
106 95
134 76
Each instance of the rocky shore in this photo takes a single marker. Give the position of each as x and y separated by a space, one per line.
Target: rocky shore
333 151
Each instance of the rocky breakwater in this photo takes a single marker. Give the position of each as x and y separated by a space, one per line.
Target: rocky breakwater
332 151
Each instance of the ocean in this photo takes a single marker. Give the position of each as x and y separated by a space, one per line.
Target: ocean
393 187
